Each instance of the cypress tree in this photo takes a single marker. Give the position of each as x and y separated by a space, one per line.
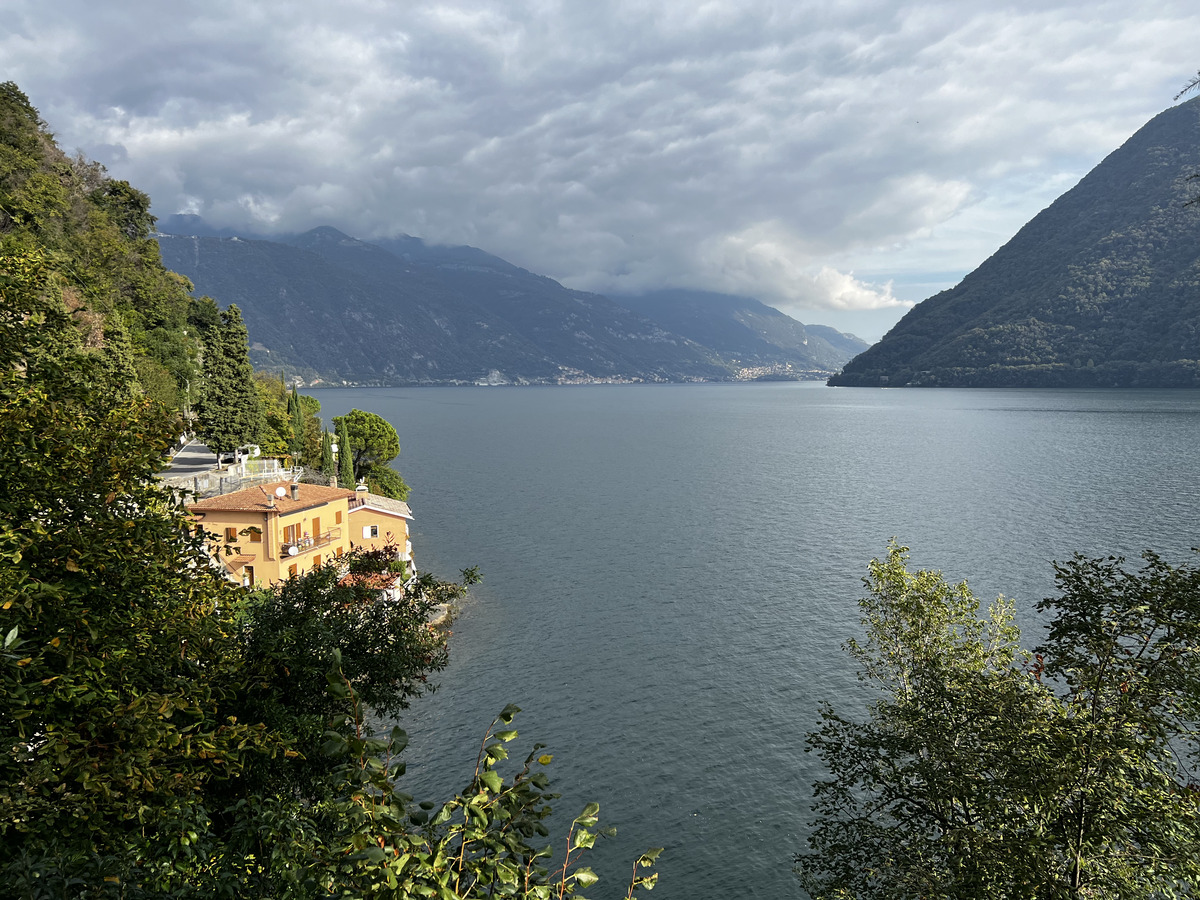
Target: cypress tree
296 413
228 413
345 457
327 467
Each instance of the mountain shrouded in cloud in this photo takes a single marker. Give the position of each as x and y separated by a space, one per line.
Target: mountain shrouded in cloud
401 311
849 157
1102 289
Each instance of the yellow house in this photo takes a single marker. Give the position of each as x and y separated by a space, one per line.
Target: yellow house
264 534
378 522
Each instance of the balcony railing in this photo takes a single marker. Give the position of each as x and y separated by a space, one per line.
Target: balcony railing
307 543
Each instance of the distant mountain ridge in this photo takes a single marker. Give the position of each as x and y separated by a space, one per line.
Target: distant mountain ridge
1102 288
744 330
400 311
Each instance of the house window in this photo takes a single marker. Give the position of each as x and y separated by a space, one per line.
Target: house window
292 569
370 531
316 528
316 560
230 534
291 534
248 576
255 535
339 552
337 517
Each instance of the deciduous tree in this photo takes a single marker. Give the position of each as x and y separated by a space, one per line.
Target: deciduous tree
983 771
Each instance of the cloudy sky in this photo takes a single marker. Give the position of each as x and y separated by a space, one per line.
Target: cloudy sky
838 159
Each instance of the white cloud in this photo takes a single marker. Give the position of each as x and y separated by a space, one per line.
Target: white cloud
820 154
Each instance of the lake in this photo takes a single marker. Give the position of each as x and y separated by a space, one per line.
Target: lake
670 572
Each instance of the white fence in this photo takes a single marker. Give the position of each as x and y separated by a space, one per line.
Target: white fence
247 473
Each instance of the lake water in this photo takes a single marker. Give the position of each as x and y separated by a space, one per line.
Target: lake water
670 573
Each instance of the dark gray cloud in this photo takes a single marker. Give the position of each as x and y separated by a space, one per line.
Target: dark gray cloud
835 159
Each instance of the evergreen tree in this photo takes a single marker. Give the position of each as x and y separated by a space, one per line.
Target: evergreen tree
296 413
327 467
228 413
345 456
373 444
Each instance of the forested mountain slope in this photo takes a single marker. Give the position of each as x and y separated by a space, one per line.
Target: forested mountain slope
76 255
746 331
400 311
404 312
1102 288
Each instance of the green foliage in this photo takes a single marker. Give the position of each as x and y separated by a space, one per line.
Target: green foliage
276 436
91 237
128 208
372 440
487 841
972 776
296 421
112 721
228 414
327 467
386 481
292 633
34 324
345 459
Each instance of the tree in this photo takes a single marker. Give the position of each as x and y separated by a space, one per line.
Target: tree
327 467
373 443
386 481
296 416
345 458
1193 84
111 717
972 777
1125 646
292 634
276 435
228 412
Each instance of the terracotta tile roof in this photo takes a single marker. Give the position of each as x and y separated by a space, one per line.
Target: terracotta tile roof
262 499
385 504
235 563
379 581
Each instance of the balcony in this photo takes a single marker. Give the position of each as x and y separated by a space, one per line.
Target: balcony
309 543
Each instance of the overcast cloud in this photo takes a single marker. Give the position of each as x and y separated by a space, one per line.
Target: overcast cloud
838 160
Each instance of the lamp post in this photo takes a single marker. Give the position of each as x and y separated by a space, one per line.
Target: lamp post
333 448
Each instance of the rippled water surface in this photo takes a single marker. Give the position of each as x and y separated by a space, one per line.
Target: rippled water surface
670 572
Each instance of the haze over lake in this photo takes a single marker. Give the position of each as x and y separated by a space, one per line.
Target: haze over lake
670 572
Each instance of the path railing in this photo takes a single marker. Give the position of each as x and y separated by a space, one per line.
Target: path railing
237 477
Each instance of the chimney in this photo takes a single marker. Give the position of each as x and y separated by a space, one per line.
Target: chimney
295 491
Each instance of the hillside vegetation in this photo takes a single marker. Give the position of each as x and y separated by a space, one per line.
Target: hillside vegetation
87 238
1101 289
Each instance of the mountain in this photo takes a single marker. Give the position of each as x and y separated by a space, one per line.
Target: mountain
400 311
342 309
748 333
1102 288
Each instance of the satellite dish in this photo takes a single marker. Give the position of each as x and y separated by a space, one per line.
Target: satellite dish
293 550
280 492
